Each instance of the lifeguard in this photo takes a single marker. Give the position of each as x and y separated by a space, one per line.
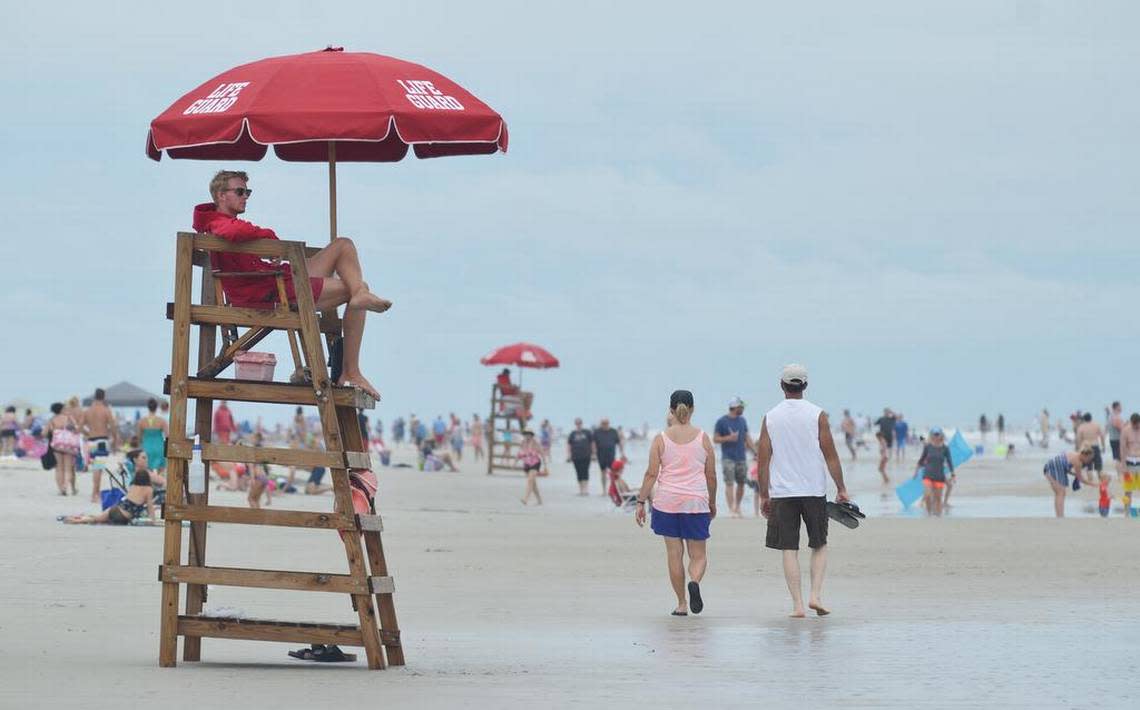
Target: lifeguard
335 274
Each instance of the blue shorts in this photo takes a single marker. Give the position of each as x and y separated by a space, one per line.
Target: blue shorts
687 526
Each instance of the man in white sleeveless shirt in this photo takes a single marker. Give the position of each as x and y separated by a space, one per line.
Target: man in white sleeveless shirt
795 455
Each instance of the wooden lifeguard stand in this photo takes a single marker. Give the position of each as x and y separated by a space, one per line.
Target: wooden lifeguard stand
345 450
505 425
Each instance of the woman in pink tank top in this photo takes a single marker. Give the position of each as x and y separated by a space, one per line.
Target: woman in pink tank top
681 480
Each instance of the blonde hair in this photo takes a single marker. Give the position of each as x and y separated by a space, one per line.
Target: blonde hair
1086 450
682 413
221 181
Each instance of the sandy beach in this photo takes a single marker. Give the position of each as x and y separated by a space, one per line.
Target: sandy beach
566 605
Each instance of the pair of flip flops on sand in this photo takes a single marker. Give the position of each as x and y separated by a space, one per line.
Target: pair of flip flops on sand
322 654
845 513
696 603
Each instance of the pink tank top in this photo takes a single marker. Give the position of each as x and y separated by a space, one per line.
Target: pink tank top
681 485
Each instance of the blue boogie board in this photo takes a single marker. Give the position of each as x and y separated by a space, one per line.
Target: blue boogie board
909 492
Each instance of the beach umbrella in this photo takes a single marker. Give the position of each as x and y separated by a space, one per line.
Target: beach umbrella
522 355
329 105
125 394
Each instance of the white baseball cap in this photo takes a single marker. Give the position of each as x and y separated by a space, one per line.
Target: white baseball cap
735 402
794 374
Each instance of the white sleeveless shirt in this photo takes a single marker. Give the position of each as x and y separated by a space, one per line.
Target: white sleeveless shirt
797 467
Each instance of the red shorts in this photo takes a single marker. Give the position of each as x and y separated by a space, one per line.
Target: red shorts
270 299
316 283
935 484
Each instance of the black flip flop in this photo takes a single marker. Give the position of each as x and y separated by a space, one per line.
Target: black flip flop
679 613
852 508
842 515
332 654
304 654
696 604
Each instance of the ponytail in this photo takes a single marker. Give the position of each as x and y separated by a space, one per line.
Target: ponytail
682 413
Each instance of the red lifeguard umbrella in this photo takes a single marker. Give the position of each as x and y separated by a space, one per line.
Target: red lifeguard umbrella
327 106
521 354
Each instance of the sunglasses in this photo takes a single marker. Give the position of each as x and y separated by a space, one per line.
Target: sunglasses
239 191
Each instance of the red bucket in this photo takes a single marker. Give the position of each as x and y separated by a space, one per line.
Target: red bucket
255 366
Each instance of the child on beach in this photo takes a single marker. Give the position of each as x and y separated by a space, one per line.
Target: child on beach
533 460
8 429
259 479
933 463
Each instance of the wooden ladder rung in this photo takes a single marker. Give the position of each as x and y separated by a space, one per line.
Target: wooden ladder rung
281 518
306 458
278 318
272 392
276 579
267 630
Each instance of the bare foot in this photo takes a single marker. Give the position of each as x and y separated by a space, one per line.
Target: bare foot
368 301
797 614
818 609
357 380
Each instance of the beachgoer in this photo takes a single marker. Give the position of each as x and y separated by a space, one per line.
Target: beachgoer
681 477
1001 427
731 432
933 464
1043 422
259 479
795 455
432 460
398 431
29 424
1129 464
335 274
848 427
1090 433
298 438
546 437
902 431
886 438
1115 426
139 497
533 460
1058 469
455 436
579 451
477 436
9 431
983 426
607 442
63 436
223 427
439 430
152 432
102 433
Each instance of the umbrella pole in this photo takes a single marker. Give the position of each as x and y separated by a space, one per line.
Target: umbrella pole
332 191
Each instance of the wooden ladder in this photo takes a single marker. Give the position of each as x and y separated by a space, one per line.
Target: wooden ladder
504 436
345 450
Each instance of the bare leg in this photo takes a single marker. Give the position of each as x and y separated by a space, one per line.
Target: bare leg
698 559
818 568
674 551
739 497
729 496
96 483
792 577
60 475
534 487
353 335
1058 497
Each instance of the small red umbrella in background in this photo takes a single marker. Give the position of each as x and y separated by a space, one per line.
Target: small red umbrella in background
327 106
522 355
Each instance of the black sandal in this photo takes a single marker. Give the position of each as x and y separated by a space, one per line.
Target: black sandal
332 654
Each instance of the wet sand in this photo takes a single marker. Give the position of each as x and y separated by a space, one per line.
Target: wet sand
567 605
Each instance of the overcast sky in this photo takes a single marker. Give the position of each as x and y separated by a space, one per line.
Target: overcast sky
931 205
